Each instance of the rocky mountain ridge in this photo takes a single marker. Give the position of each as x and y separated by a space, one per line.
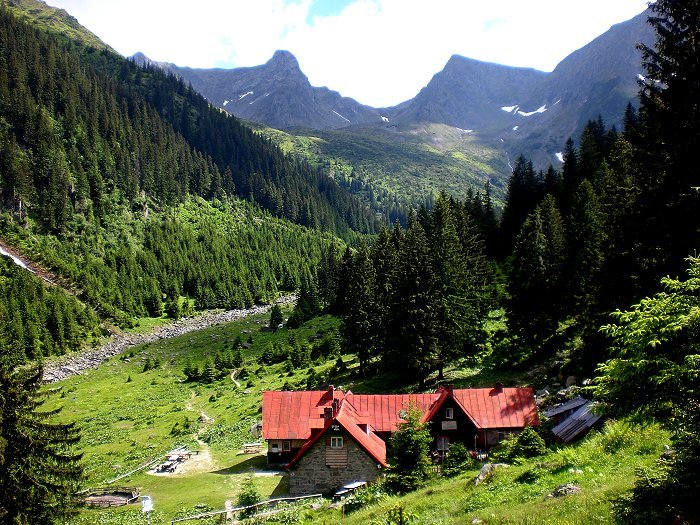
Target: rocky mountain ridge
516 110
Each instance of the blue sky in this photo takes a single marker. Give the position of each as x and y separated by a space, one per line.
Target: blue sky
324 8
380 52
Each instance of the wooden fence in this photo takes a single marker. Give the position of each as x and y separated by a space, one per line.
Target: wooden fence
267 503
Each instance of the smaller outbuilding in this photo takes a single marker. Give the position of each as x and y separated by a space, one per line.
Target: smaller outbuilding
574 422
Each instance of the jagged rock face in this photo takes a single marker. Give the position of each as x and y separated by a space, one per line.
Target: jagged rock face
517 110
277 94
469 94
529 111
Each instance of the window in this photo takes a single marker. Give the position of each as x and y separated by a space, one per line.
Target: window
443 443
286 446
449 413
275 447
336 442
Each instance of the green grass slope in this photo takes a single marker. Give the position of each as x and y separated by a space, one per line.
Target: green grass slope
138 406
602 466
407 164
57 21
129 416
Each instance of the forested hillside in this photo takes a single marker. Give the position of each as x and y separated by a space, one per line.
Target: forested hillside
110 125
125 183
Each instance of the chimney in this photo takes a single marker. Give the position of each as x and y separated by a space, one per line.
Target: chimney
336 406
327 413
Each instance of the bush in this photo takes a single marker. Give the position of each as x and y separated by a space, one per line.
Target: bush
397 515
458 459
249 495
526 444
365 496
408 454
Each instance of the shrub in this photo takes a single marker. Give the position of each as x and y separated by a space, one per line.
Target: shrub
458 459
249 495
526 444
408 454
396 515
365 496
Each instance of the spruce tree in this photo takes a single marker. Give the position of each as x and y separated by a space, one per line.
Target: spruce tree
450 282
384 260
276 317
535 283
668 225
413 329
359 326
585 250
524 193
39 472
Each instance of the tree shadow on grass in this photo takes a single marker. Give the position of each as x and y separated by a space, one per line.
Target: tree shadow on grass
251 464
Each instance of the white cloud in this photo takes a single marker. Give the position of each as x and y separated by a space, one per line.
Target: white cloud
378 51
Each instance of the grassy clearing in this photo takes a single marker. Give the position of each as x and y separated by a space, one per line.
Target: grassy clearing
412 163
129 416
603 466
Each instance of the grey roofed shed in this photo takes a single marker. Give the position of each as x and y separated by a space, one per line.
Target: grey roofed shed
577 424
571 404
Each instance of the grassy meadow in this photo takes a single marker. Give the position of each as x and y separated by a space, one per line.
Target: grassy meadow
138 406
129 416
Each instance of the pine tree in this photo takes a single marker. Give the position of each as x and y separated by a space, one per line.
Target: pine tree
413 332
668 225
585 247
359 326
276 317
450 282
524 193
307 305
535 282
39 472
384 260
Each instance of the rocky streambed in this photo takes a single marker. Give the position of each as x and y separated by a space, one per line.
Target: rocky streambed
74 364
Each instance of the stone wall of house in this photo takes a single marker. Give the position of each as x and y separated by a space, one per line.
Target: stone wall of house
311 474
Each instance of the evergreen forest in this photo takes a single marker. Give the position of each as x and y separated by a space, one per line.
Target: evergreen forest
139 200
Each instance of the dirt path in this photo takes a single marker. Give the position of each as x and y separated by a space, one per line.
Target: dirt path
74 364
233 378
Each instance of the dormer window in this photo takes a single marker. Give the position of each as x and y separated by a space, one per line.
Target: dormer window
449 413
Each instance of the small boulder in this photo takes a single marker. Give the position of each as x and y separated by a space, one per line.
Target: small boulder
486 472
564 490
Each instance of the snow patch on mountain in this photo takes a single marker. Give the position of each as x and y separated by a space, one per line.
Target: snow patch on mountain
509 109
385 119
541 109
560 156
244 95
341 116
225 102
515 128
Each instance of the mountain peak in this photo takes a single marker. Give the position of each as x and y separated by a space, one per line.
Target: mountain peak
283 56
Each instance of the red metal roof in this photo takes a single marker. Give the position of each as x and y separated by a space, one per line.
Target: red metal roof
499 407
292 415
348 418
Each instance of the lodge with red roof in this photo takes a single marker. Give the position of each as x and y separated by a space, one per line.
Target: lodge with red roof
327 438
